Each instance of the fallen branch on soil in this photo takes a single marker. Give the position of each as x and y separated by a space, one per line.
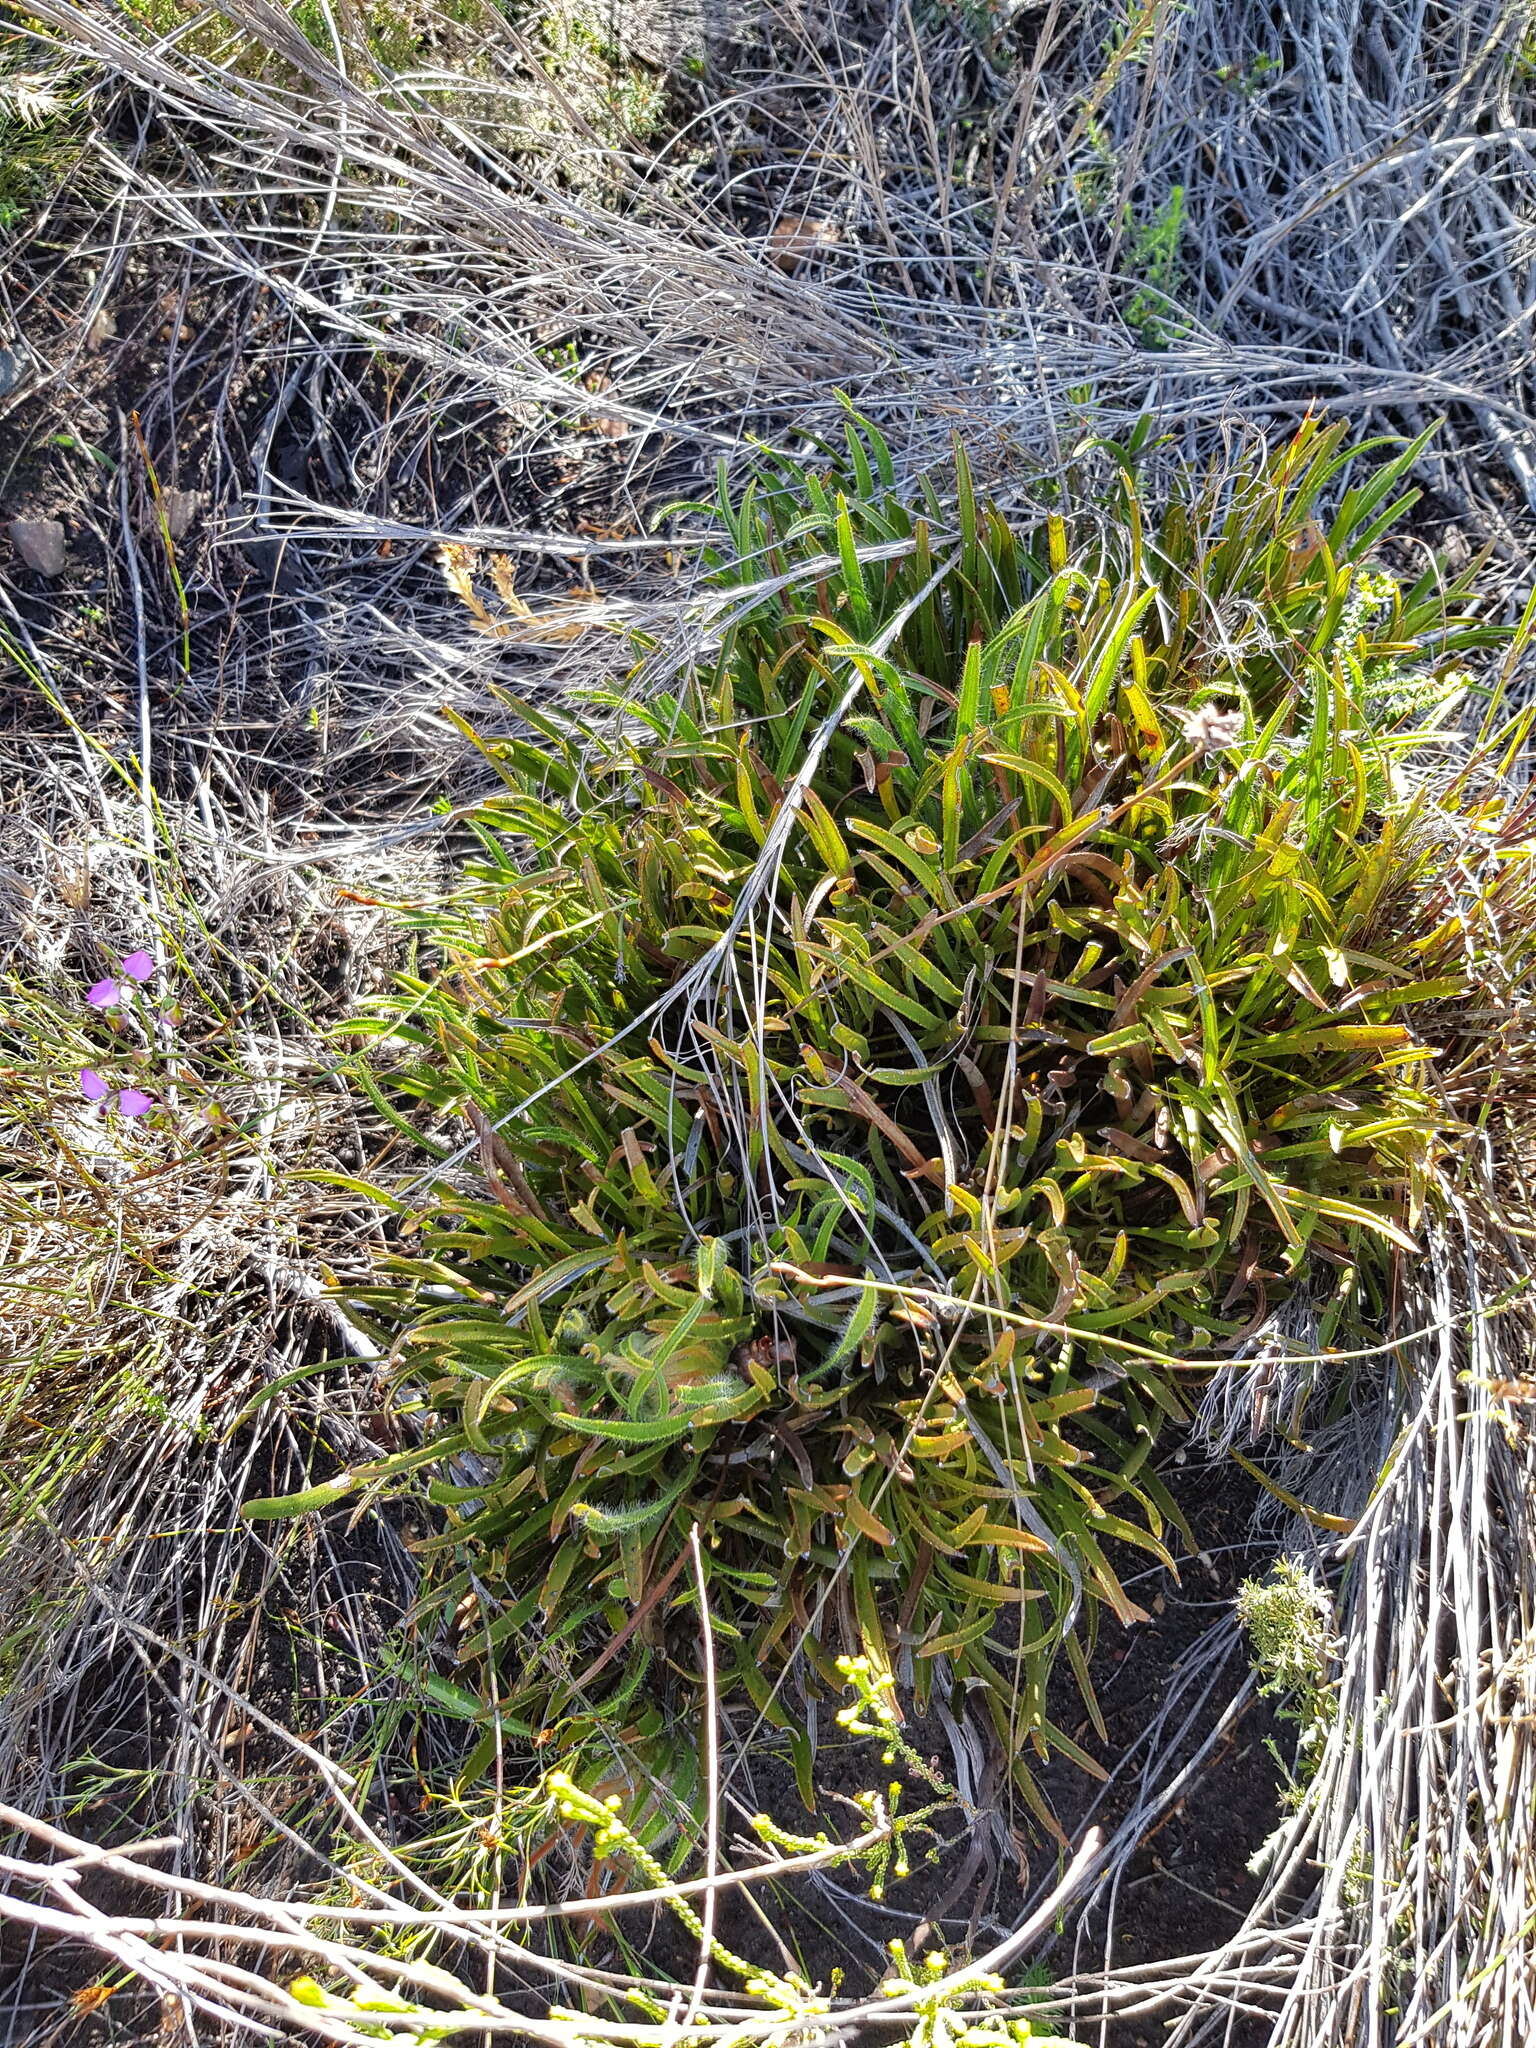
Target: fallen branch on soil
186 1957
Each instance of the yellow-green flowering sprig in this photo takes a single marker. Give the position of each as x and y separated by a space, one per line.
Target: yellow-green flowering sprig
873 1712
938 2012
768 1831
888 1857
882 1857
367 1997
612 1836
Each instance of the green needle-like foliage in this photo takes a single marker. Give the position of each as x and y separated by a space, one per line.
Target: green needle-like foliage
885 1120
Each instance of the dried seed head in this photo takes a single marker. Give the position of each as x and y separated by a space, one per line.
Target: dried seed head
1210 728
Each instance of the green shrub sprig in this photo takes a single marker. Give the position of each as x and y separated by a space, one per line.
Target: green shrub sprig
875 1201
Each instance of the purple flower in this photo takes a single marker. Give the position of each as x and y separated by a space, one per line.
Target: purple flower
130 1101
140 966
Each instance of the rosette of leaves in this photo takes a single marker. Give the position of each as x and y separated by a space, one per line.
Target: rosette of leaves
902 1059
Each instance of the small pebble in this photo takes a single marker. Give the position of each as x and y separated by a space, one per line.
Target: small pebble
40 544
